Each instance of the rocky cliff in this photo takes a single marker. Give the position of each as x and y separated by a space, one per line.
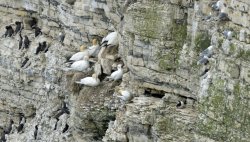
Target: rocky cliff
159 45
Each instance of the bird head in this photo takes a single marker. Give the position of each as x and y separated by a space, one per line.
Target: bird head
17 22
94 76
119 66
44 43
94 42
82 48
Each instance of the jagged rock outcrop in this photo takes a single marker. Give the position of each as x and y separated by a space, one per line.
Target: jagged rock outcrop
159 46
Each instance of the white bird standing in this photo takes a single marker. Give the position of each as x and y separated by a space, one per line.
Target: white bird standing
79 55
90 81
218 5
94 49
61 37
111 39
125 95
228 34
81 65
205 55
116 75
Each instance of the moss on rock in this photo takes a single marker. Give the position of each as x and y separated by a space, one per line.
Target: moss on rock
202 41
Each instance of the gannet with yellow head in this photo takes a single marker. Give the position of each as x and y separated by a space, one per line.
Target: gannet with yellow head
94 49
80 55
90 81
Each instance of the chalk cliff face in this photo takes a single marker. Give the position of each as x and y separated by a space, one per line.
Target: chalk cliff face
159 46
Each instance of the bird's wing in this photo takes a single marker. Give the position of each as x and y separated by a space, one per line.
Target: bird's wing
78 56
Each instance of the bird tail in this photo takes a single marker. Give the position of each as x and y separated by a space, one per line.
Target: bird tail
66 69
109 78
78 82
104 44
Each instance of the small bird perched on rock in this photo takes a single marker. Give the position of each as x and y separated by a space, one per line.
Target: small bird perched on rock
18 27
39 48
9 31
62 110
26 42
125 95
25 62
110 40
9 128
228 34
46 46
217 6
20 41
35 132
61 37
90 81
37 30
117 75
205 55
32 22
21 124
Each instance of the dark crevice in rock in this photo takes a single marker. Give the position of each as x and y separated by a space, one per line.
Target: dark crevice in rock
56 124
71 2
65 128
154 93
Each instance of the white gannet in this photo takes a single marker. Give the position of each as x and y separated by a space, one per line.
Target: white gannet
125 95
217 6
205 55
228 34
79 55
94 49
81 65
116 75
90 81
111 39
61 37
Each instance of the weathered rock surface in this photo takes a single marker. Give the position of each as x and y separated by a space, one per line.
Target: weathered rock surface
159 46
